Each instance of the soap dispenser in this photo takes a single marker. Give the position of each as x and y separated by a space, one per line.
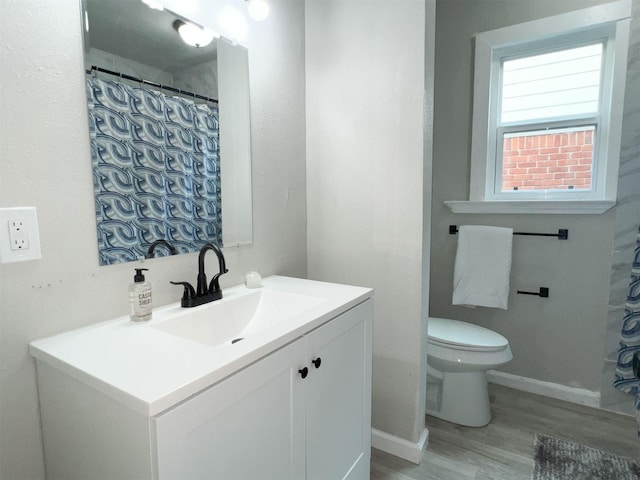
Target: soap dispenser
140 297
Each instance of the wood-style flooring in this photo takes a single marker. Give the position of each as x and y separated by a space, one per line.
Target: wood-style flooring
503 450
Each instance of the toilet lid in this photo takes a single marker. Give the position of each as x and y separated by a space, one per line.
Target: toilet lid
464 335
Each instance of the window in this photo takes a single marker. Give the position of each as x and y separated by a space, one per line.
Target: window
548 121
547 111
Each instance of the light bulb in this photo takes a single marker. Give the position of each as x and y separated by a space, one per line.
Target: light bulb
193 34
154 4
233 24
258 9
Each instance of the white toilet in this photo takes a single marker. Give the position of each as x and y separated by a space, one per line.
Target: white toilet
458 356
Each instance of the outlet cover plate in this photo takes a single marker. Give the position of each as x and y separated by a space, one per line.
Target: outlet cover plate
29 219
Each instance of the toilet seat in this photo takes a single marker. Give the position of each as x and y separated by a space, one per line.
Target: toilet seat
464 336
459 355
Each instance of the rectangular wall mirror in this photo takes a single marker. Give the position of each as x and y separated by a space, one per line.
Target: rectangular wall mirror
169 133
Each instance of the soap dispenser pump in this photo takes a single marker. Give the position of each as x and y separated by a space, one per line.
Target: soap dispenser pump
140 297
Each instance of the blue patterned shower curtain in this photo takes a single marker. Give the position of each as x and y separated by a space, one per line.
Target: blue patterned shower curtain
156 170
630 337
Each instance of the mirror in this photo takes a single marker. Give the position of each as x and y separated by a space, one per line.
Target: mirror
169 133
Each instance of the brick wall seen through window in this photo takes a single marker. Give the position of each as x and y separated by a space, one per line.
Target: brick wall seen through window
548 161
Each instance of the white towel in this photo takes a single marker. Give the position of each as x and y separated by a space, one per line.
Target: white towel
482 267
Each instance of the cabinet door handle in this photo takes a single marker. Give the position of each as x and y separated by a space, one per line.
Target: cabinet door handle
317 362
303 372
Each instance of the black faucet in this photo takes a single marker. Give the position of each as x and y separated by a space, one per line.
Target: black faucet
152 247
204 293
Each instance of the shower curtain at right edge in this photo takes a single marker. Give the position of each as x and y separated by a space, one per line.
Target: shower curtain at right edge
625 380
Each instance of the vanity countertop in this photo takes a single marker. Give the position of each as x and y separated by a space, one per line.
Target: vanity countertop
151 370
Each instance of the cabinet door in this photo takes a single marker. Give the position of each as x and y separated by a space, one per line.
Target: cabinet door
249 426
339 397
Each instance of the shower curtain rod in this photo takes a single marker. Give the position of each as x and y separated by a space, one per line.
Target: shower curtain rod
153 84
563 233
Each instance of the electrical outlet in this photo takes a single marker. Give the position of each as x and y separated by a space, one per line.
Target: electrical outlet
19 236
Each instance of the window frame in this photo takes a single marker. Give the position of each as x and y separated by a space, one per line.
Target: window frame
608 21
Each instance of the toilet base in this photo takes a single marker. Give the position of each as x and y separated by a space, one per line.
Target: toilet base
463 399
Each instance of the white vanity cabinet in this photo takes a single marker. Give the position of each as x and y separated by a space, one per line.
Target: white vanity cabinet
246 427
338 397
124 401
268 422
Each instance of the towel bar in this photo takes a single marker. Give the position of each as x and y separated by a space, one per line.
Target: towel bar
563 233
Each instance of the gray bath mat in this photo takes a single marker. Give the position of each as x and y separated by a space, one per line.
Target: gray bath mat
562 460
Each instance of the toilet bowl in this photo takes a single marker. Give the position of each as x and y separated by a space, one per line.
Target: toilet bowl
458 356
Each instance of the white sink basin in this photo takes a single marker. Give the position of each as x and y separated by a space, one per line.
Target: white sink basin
152 366
231 319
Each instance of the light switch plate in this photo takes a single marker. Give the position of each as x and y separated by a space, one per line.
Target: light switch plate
27 235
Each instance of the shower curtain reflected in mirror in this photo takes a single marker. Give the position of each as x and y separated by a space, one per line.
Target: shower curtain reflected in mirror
625 379
156 170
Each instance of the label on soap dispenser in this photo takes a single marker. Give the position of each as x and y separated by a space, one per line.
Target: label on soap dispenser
141 302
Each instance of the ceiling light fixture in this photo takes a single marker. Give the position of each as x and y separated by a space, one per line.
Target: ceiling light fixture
154 4
193 34
233 23
258 9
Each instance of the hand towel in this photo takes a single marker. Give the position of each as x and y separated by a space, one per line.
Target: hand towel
483 266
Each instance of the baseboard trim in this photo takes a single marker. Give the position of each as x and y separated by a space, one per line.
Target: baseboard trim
399 446
558 391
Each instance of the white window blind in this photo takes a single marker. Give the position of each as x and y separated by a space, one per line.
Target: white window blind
552 85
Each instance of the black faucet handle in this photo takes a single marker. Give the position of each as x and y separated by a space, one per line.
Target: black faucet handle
214 286
189 291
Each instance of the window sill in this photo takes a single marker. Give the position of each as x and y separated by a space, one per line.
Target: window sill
547 207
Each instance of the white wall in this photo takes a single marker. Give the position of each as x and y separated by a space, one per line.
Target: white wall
559 339
365 65
45 162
